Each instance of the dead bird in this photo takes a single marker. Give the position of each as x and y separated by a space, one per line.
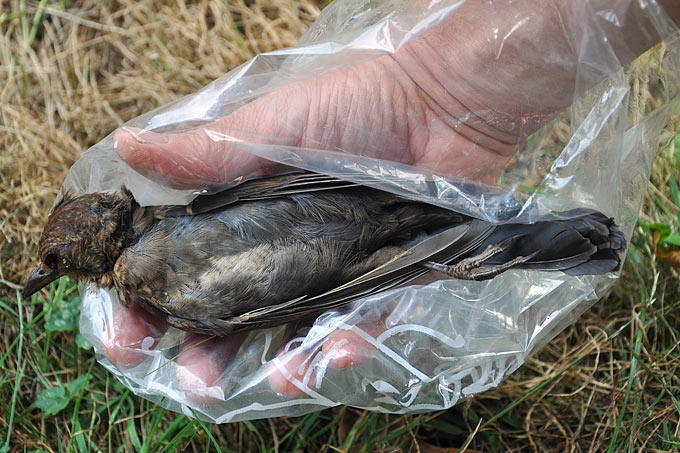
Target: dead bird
282 248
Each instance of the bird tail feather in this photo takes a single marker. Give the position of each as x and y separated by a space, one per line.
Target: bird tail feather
584 242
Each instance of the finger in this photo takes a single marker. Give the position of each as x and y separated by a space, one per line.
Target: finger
345 348
290 366
294 371
202 364
214 153
131 334
186 160
288 374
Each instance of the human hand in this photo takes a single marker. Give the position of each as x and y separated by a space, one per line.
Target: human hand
450 101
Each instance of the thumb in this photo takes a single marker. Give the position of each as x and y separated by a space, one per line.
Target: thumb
211 154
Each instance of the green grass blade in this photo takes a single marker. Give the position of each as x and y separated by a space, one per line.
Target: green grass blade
20 371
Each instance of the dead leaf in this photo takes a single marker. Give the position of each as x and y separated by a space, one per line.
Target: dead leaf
667 255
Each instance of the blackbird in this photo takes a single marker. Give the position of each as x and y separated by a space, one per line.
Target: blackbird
282 248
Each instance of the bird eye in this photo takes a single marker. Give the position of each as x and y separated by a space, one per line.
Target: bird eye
51 261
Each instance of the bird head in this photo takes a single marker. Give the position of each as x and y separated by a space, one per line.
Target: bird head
83 237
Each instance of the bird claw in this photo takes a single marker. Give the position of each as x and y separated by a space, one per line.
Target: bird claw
471 268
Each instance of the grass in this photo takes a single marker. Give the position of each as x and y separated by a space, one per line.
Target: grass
77 70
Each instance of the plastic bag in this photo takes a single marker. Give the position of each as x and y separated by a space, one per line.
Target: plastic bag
440 341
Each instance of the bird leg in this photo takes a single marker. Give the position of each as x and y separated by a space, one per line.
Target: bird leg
471 268
378 258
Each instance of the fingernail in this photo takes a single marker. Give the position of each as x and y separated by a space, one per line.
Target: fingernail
146 137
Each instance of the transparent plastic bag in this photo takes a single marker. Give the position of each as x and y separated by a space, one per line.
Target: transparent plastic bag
440 340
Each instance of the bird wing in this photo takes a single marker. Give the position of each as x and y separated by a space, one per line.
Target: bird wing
260 189
570 244
443 247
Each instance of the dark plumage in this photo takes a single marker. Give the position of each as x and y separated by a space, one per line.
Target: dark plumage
282 248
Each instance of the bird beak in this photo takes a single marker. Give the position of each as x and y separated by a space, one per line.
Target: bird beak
41 277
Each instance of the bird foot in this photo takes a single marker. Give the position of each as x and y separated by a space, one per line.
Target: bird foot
472 268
